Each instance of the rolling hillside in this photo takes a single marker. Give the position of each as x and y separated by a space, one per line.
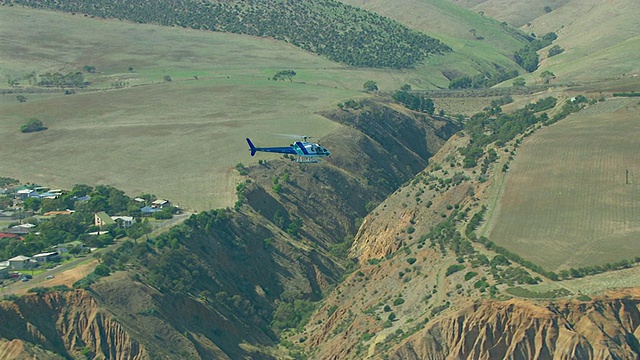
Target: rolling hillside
515 12
328 27
599 38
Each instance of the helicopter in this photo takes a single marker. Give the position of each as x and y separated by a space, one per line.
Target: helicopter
306 151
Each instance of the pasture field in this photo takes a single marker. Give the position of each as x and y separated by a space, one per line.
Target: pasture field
178 140
566 202
601 42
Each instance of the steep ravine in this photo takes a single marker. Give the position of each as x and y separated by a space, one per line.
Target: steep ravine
213 286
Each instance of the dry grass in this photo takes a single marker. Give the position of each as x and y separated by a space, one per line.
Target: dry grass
178 140
566 202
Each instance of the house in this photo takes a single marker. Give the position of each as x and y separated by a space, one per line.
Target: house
24 194
6 235
148 210
160 204
83 198
44 257
20 262
22 229
49 195
124 221
63 248
102 219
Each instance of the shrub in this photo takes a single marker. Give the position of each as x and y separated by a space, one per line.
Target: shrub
454 269
32 125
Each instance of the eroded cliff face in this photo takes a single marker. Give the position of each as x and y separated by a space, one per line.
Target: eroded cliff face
418 205
605 328
68 324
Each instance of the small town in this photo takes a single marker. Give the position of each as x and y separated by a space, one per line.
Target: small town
42 228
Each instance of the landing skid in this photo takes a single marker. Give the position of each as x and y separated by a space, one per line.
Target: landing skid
306 160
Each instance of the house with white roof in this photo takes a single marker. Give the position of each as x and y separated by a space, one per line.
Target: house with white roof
160 204
20 262
44 257
124 221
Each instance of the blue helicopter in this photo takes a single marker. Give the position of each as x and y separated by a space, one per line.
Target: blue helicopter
306 151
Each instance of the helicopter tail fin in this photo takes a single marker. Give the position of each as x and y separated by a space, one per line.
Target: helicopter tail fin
251 147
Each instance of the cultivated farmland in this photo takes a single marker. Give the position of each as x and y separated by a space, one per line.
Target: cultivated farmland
567 202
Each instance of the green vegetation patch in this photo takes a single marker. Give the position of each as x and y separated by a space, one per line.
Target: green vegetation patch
526 293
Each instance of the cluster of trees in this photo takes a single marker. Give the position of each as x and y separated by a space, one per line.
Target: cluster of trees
71 79
446 236
284 74
596 269
492 125
527 57
414 101
481 81
328 27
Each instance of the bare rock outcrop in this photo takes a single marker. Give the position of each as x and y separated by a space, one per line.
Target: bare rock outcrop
605 328
67 324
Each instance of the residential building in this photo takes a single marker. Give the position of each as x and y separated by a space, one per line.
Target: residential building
148 210
24 194
102 219
160 204
124 221
20 262
63 248
44 257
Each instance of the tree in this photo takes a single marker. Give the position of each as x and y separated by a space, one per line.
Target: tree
102 270
32 125
555 50
519 82
370 86
32 203
547 76
462 82
281 75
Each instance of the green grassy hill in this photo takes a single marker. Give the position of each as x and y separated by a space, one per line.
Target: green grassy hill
480 44
515 12
601 41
